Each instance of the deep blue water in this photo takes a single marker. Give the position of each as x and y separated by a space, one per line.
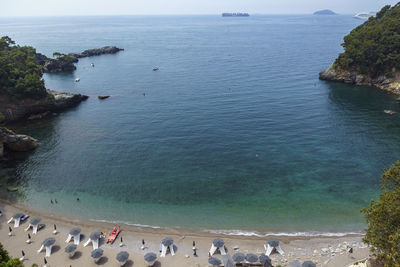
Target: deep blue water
235 131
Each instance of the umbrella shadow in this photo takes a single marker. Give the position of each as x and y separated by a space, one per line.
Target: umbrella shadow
129 263
157 264
55 249
102 261
82 237
77 255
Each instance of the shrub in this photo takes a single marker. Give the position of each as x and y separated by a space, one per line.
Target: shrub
5 260
383 219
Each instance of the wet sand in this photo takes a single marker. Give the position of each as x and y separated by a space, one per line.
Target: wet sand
325 251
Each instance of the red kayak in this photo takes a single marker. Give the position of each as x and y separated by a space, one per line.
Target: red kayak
113 235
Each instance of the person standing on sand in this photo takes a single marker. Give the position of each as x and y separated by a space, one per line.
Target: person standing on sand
194 249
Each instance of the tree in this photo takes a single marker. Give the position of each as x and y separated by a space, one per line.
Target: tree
383 219
373 48
5 260
20 76
57 54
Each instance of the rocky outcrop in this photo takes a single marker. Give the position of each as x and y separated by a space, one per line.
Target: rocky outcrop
97 52
66 62
15 142
391 84
20 109
58 65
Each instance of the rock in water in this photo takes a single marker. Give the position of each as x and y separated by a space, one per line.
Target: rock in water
17 142
55 101
97 52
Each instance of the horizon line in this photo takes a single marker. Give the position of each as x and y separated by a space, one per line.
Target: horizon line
167 14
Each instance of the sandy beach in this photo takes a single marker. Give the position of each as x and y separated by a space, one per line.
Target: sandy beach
325 251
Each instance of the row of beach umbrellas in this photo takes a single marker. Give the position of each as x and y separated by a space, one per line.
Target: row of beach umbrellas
150 258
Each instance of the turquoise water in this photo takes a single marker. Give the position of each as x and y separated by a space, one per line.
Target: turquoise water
234 132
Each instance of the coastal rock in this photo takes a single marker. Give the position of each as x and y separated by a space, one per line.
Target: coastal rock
66 62
14 110
58 65
97 52
40 59
391 84
16 142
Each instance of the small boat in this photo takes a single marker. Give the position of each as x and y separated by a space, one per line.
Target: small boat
388 111
92 64
77 80
155 68
103 97
113 235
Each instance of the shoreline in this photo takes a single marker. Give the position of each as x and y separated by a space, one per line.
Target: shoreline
325 250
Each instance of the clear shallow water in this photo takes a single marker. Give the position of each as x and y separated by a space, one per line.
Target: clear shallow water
234 132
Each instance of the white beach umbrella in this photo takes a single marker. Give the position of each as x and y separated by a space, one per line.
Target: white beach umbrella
74 233
97 254
167 243
122 257
34 223
16 218
214 261
71 249
48 243
219 244
273 245
150 258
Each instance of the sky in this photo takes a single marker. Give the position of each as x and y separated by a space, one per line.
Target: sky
148 7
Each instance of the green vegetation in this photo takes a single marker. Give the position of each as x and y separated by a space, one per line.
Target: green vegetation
373 48
20 76
61 56
5 260
383 218
2 117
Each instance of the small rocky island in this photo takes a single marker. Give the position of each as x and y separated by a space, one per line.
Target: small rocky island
65 62
325 12
372 53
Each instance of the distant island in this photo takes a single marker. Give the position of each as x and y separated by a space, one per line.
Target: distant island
371 53
235 14
325 12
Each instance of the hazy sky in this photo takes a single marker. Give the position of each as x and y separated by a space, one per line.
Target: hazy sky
132 7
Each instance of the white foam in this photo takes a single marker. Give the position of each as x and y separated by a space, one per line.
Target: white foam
305 234
127 223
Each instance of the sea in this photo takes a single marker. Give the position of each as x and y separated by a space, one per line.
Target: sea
233 134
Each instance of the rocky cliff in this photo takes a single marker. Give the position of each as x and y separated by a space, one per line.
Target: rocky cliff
14 110
391 84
